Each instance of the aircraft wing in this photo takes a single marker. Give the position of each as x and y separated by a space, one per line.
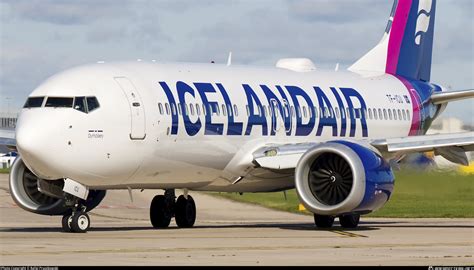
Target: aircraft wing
281 157
450 146
7 138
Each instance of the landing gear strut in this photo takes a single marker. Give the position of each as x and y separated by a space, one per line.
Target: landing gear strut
164 207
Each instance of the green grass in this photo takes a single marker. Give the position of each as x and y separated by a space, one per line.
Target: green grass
4 170
427 194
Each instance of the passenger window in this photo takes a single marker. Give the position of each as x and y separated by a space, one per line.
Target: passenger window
248 110
285 109
160 108
337 112
167 108
80 104
395 115
59 102
390 114
304 111
173 109
191 109
408 115
92 104
198 109
380 114
385 116
370 114
399 115
34 102
224 110
186 112
236 111
356 113
404 115
229 109
276 109
180 112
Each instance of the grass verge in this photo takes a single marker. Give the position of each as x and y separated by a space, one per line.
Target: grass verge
416 195
4 170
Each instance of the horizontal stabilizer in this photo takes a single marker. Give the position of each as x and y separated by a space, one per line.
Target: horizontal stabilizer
445 97
450 146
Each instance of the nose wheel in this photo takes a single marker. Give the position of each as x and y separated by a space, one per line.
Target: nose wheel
164 207
79 222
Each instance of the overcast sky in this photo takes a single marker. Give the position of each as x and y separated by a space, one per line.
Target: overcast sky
42 37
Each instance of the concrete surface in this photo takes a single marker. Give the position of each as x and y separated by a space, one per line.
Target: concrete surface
226 233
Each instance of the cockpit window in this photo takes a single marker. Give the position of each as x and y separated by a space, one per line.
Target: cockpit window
92 104
34 102
59 102
80 104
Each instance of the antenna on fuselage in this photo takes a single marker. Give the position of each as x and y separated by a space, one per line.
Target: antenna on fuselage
229 59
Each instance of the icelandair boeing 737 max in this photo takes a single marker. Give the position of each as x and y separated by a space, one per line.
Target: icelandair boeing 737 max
332 135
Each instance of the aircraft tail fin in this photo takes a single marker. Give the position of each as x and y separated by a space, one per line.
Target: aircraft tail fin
407 45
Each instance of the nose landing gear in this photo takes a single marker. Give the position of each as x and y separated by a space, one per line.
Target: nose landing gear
164 207
78 220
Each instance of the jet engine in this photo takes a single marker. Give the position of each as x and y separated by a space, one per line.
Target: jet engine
43 197
341 177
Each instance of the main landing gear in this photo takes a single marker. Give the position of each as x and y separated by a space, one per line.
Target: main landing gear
164 207
350 221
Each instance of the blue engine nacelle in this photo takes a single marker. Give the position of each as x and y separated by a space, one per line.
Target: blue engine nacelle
341 177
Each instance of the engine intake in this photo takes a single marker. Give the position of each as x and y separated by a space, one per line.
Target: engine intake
330 178
32 194
341 177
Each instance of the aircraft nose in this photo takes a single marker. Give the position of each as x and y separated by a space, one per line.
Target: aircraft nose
36 142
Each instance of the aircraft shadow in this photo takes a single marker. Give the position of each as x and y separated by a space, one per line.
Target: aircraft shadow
364 226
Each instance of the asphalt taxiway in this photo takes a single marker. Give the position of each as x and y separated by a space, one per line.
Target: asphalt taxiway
226 233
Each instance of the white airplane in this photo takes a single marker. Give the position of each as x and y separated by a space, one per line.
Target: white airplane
334 135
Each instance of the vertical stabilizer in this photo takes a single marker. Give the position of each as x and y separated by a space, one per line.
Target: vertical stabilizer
407 45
